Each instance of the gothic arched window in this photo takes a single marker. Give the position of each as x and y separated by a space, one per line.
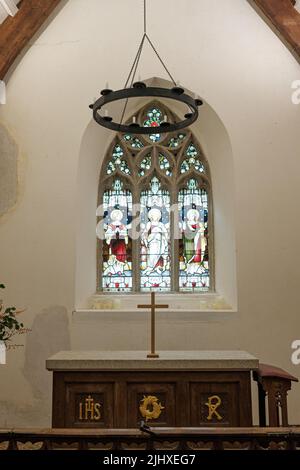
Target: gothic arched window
156 200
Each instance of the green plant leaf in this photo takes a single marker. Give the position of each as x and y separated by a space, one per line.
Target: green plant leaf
9 324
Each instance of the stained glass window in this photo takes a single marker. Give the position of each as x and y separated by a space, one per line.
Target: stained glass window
174 142
192 161
134 142
117 244
193 248
153 119
148 186
164 164
145 165
155 238
117 161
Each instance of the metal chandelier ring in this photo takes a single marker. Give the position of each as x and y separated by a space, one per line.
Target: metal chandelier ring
175 93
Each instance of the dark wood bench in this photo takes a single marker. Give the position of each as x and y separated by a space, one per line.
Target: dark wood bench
274 383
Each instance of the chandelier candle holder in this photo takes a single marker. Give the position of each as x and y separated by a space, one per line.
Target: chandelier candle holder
138 89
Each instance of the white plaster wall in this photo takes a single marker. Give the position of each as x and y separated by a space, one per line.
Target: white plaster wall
223 51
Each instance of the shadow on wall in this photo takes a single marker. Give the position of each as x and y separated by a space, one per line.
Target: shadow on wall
8 171
49 335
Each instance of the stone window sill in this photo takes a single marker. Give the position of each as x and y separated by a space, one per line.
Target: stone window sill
120 307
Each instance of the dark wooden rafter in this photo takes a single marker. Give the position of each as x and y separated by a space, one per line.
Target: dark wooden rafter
284 19
16 32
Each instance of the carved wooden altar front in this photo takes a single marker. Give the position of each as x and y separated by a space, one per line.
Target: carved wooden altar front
181 389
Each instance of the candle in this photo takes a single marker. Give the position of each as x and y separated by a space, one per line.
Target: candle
165 118
134 119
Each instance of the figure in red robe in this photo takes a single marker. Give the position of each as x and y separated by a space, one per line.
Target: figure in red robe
116 236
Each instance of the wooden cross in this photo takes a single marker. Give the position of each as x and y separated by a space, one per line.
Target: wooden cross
153 306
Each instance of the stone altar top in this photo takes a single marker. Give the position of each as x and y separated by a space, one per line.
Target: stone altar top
137 360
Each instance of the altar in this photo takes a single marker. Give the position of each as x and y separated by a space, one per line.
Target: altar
119 389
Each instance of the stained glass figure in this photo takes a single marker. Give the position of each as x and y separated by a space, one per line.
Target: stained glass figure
164 164
140 177
145 165
153 119
175 141
155 238
194 274
134 142
117 244
192 161
118 161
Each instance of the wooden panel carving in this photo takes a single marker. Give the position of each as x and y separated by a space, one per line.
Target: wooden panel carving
123 399
89 405
189 439
161 408
214 404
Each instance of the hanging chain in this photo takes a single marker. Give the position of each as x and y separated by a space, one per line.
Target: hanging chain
133 73
160 59
136 61
151 44
138 55
145 16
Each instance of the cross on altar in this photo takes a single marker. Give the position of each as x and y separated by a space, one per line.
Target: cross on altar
153 306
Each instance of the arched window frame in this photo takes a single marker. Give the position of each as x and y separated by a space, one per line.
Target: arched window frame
173 183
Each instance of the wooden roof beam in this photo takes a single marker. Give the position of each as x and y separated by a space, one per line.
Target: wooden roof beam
284 19
17 31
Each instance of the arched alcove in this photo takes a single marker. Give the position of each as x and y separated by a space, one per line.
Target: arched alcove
214 140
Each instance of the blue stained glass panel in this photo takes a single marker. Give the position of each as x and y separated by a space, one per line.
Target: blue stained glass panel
175 141
153 119
134 142
194 272
192 161
155 238
117 161
145 165
117 243
164 164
